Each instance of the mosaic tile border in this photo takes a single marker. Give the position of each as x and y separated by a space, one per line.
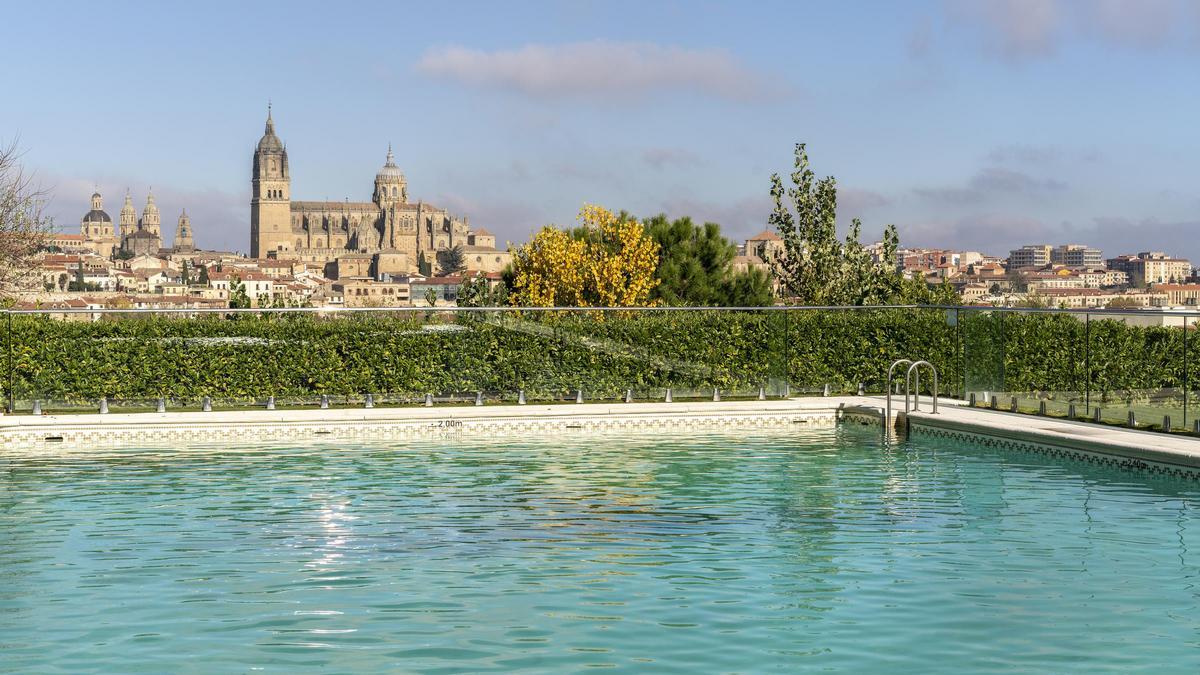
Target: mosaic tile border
159 435
1058 451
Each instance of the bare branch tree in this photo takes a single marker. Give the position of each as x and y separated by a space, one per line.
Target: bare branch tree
24 228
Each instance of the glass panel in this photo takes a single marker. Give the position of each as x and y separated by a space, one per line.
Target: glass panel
1136 366
1030 361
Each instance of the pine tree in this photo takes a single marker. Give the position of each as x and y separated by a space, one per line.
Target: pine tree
453 261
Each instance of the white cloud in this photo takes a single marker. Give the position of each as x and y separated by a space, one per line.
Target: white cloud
1030 29
600 69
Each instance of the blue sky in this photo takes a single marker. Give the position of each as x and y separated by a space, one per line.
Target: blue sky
975 124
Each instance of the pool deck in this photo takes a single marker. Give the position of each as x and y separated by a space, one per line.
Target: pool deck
1127 447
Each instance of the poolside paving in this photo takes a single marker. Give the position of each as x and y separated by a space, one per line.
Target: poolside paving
953 419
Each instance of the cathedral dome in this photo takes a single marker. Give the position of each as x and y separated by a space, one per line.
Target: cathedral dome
97 214
389 171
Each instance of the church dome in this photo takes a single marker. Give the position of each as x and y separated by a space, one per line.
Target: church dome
389 171
270 142
97 216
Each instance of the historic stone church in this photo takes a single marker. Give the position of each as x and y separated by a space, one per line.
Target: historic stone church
136 236
399 236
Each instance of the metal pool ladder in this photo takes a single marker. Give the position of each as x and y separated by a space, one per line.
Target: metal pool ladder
912 381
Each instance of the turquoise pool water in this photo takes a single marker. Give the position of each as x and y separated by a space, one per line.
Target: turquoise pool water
700 553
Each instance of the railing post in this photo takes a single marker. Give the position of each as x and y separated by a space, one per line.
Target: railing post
11 365
1087 360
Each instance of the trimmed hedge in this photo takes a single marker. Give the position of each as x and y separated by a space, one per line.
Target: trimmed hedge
248 357
549 354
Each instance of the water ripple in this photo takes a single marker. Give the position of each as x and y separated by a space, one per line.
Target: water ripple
714 552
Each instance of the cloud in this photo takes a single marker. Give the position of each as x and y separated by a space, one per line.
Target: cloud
1134 23
854 202
1042 155
660 158
990 183
601 69
1020 30
1016 29
1119 234
991 233
739 218
509 219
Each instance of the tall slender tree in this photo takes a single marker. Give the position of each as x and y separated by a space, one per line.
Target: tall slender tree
817 269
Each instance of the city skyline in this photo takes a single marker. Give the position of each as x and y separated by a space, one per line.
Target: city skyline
980 126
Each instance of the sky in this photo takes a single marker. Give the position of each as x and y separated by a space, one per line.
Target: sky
970 124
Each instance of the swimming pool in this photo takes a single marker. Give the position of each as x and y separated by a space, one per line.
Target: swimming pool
740 551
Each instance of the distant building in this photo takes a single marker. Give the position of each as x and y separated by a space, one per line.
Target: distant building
1151 267
1076 255
183 235
399 235
766 246
96 226
1030 255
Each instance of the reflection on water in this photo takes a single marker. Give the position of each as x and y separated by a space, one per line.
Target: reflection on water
714 552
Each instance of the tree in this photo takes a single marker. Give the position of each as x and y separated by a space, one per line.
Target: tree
24 228
238 299
751 288
608 261
431 296
694 267
204 275
453 261
475 292
183 274
814 267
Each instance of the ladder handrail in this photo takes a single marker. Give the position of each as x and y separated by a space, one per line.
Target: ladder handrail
913 378
888 389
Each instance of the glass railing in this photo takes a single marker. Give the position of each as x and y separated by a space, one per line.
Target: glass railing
1129 368
133 360
1119 367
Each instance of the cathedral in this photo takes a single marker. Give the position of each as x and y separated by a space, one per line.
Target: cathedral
134 236
398 236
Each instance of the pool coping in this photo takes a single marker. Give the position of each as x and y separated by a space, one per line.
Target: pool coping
1152 451
1126 448
264 425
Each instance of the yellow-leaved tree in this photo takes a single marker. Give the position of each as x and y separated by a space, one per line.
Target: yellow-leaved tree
609 261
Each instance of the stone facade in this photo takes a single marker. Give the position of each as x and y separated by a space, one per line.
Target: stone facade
389 228
132 236
97 228
183 235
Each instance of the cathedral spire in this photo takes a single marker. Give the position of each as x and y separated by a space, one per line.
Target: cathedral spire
270 130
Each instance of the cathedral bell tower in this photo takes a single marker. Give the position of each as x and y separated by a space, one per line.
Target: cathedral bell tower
270 197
